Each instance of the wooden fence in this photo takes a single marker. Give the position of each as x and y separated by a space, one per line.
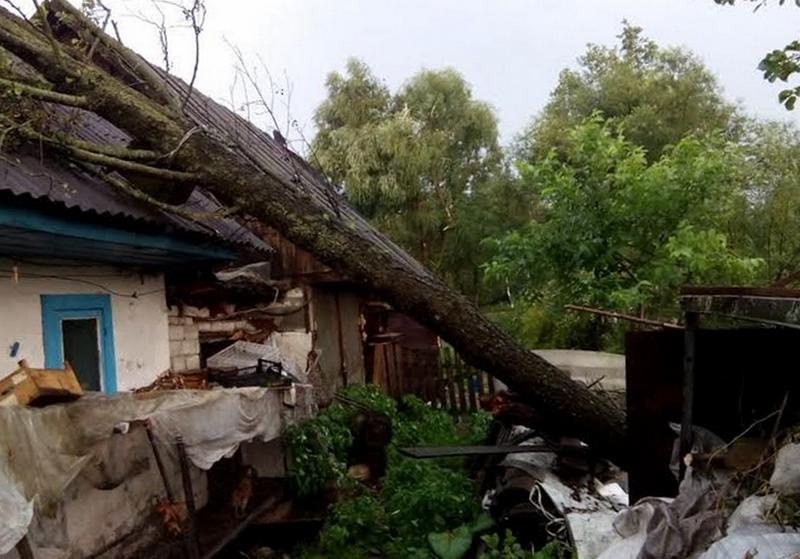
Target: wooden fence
460 385
441 378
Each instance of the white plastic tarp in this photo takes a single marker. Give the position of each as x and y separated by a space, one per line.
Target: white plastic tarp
589 515
43 449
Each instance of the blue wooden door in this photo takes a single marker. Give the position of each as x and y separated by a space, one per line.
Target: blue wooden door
80 327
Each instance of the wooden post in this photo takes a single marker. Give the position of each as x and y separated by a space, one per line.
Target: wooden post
162 472
462 385
692 321
191 533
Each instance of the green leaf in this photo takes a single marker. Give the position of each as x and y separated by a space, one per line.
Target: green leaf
451 545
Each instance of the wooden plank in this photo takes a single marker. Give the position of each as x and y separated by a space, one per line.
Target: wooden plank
463 406
475 389
448 451
440 390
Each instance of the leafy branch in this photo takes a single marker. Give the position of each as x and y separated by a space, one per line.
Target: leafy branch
780 64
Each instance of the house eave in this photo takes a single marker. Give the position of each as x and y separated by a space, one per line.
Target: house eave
34 232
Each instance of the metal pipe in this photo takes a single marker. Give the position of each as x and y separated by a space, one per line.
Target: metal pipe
193 547
620 316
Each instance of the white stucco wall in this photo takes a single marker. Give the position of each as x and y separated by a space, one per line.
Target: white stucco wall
141 339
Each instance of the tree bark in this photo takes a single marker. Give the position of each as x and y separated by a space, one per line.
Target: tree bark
238 176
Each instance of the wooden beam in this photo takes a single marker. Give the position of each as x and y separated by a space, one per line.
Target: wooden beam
448 451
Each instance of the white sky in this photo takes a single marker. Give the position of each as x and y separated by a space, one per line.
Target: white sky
511 51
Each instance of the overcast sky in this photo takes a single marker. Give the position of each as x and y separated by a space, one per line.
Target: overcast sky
510 51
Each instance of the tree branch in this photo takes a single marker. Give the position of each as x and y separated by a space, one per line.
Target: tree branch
124 186
78 101
77 149
48 31
124 165
198 9
96 41
108 47
117 151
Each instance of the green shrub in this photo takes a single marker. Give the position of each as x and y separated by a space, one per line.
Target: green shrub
318 449
417 497
356 527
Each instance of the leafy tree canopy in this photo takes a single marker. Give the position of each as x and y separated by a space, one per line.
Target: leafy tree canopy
655 95
621 232
423 163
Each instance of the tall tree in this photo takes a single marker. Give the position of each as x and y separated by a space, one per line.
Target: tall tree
655 95
770 207
418 163
620 232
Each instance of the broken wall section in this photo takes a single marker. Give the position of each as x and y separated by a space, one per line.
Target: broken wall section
317 329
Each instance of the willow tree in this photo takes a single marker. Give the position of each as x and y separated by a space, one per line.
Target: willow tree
183 138
420 163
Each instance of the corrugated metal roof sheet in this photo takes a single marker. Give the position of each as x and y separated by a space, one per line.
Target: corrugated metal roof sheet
293 171
43 177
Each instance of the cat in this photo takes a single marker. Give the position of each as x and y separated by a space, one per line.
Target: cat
243 491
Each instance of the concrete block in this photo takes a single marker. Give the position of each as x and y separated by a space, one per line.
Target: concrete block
175 321
173 311
186 320
205 325
175 347
178 363
192 362
223 326
176 333
190 347
191 332
195 312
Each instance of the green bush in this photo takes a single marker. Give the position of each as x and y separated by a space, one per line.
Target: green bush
422 497
355 528
318 449
417 497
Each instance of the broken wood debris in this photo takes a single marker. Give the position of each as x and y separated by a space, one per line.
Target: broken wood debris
37 387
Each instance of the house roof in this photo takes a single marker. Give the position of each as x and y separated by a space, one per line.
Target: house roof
257 146
31 175
277 159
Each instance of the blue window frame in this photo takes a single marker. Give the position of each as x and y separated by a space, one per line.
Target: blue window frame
58 308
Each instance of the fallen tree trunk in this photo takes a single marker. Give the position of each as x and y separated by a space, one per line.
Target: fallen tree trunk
244 167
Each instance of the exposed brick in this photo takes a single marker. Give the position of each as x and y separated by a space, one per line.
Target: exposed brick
223 326
191 332
190 347
192 362
195 312
176 333
178 363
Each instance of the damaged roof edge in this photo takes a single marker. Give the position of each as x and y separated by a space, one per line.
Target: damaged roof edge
24 218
